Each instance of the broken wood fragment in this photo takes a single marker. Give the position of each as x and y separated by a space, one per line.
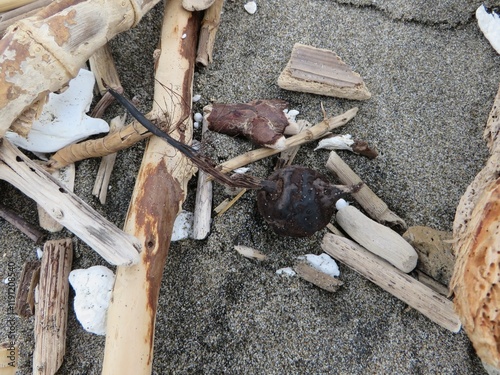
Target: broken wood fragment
17 221
103 66
375 237
25 297
52 307
371 203
203 203
307 272
209 26
196 5
423 299
320 71
115 246
14 15
434 249
101 183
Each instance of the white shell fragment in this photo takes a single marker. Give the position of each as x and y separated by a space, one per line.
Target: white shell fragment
251 7
338 142
183 226
93 287
489 23
287 271
196 98
323 263
250 253
291 115
63 120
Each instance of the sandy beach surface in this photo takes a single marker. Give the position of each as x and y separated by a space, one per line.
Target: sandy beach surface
432 76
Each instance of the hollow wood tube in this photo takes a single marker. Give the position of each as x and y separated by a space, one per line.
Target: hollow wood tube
412 292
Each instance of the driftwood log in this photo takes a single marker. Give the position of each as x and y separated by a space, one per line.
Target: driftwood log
43 52
157 198
476 277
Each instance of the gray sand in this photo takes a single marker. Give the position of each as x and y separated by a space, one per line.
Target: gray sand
433 77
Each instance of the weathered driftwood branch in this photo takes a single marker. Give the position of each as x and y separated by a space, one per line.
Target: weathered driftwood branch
311 134
101 183
371 203
114 142
103 66
209 27
157 198
423 299
14 15
51 311
17 221
203 204
12 4
104 237
476 277
43 52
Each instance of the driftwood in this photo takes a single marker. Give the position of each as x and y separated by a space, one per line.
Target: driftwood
14 15
315 132
371 203
209 27
58 40
25 296
476 277
68 209
320 71
423 299
52 307
157 198
17 221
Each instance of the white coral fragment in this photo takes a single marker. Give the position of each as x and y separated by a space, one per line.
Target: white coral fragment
63 120
339 142
489 23
323 263
93 287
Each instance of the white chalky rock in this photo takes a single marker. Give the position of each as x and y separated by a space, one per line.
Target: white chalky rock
63 120
93 287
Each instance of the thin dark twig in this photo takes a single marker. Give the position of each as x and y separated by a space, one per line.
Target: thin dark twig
205 164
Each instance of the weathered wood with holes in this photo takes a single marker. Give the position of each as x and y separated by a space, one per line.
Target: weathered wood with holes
115 246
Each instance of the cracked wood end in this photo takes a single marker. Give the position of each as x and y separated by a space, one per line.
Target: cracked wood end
320 71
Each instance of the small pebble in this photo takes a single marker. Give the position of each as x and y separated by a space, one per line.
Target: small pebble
196 98
251 7
198 117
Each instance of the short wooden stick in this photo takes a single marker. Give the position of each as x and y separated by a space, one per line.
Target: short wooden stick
423 299
371 203
52 308
17 221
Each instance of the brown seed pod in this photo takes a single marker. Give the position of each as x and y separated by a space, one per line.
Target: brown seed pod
298 201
